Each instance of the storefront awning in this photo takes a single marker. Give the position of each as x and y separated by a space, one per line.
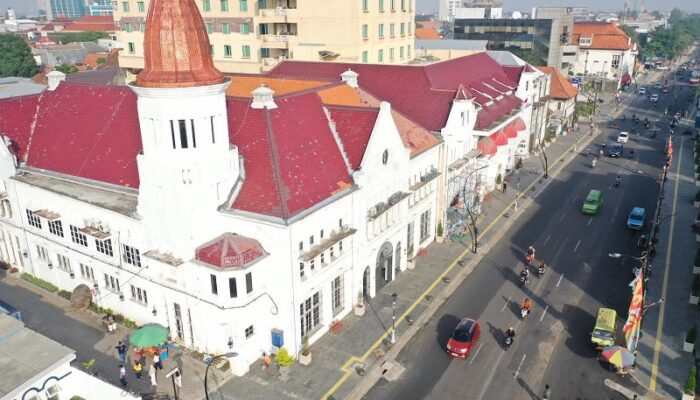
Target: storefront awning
486 146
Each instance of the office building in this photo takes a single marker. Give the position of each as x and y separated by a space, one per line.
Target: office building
67 8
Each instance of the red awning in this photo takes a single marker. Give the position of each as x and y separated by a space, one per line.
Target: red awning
486 146
511 132
500 138
519 124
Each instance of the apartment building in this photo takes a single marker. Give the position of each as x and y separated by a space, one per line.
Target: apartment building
253 36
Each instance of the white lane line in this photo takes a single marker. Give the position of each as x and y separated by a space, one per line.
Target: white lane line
562 217
544 312
574 200
589 221
577 244
547 240
610 187
488 381
477 353
519 366
506 305
560 278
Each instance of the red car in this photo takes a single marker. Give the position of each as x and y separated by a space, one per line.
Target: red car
463 339
664 89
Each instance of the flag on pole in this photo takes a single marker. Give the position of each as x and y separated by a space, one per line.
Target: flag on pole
634 317
669 150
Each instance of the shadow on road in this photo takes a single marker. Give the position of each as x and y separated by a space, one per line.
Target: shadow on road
445 327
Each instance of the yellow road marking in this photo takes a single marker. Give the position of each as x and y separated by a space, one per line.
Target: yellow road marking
664 287
346 366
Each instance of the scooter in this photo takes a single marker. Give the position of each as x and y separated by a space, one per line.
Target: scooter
593 163
524 312
540 271
528 258
507 341
523 280
617 182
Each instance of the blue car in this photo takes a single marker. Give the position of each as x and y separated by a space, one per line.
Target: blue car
636 219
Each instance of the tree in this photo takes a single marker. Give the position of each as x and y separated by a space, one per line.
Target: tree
631 33
70 37
528 56
676 15
67 69
17 59
656 14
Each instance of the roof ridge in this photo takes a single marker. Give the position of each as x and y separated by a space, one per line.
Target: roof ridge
33 126
275 160
347 107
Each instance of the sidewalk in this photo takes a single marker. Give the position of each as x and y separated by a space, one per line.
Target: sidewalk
348 363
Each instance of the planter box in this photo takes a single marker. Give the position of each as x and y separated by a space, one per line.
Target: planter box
359 309
688 397
439 239
304 359
693 299
688 347
411 264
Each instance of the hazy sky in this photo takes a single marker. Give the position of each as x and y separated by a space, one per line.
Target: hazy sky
613 5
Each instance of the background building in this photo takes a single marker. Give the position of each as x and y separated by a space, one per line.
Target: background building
67 8
250 36
451 9
605 51
98 8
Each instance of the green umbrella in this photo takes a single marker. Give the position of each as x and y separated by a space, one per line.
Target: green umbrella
149 335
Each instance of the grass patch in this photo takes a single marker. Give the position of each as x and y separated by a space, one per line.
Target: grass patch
39 282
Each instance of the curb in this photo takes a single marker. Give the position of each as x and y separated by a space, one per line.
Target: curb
375 373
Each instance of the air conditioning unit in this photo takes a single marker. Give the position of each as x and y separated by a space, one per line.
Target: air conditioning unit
345 228
372 212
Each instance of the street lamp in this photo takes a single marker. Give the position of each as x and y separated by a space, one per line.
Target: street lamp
472 220
206 371
393 317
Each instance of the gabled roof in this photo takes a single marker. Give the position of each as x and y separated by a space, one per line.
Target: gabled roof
230 251
354 126
560 87
291 159
423 94
427 33
603 35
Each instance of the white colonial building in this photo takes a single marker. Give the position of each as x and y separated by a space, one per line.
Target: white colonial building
247 212
605 51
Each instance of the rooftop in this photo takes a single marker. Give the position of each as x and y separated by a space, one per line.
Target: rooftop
603 35
427 33
560 88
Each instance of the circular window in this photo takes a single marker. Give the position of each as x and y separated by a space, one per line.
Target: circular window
385 157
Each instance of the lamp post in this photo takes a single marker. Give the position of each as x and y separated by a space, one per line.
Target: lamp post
472 220
393 317
585 66
206 371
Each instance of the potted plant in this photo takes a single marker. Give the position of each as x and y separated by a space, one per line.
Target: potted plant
499 180
440 232
695 290
284 360
518 166
690 384
410 262
305 355
696 265
359 308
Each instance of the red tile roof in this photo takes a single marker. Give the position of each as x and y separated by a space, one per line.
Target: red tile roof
230 251
16 119
604 35
424 93
560 88
427 33
92 23
430 24
291 159
354 126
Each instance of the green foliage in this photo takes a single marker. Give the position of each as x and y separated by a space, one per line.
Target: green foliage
39 282
105 311
17 59
283 358
65 294
67 69
695 288
440 230
129 323
101 60
89 365
676 16
630 32
70 37
584 109
76 398
691 381
519 163
499 179
697 254
4 265
528 56
671 42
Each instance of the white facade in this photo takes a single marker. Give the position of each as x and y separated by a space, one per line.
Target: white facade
610 64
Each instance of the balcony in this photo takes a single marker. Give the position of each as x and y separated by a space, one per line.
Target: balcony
277 15
380 208
335 237
425 179
276 41
271 62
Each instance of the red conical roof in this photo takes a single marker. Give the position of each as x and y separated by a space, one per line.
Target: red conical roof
176 47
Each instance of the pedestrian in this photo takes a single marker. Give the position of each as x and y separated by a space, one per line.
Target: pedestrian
121 349
505 186
138 368
266 362
122 375
156 360
547 392
152 375
111 325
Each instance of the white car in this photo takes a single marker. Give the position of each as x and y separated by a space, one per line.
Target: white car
663 68
654 98
642 90
623 137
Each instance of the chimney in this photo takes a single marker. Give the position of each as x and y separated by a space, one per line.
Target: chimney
262 98
350 77
55 77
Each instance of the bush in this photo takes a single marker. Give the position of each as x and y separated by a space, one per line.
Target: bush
13 270
499 179
76 398
130 324
283 358
439 229
692 334
93 307
39 282
4 265
65 294
519 163
691 382
695 288
118 318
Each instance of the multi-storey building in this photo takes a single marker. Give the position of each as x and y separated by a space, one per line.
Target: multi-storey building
250 36
451 9
67 8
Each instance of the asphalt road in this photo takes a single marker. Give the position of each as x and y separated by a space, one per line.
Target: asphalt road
552 345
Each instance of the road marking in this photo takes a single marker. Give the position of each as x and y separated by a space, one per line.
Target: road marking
667 268
506 305
577 244
560 278
562 217
574 200
610 187
519 366
477 353
547 240
589 221
544 312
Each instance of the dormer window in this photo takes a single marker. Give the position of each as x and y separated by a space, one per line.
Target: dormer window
585 41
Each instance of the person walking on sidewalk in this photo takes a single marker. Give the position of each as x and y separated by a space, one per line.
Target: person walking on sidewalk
152 375
121 349
138 368
505 186
266 362
547 392
156 360
122 375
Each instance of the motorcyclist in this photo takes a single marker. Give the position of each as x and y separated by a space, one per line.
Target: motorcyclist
618 180
631 154
593 163
525 273
531 251
541 268
605 143
510 332
526 305
588 151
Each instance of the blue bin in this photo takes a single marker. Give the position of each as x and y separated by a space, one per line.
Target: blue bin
278 338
